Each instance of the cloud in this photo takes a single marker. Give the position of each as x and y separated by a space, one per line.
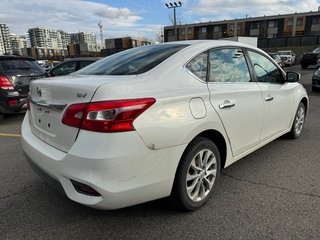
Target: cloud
228 9
67 15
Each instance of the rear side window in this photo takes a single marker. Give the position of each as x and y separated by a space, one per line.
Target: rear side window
20 64
198 66
134 61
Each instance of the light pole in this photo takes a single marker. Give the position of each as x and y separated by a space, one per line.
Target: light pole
174 5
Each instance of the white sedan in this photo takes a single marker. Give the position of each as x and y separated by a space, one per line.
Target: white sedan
158 121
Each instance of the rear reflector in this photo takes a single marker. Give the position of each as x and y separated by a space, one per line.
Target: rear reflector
85 189
107 116
28 101
5 83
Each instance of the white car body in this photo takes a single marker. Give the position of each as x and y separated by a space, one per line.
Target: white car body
132 167
288 57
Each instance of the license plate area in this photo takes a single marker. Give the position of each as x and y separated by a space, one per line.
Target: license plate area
45 119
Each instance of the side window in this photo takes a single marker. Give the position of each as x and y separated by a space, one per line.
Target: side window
198 66
65 69
265 70
228 65
83 64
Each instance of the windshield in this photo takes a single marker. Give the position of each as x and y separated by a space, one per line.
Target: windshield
134 61
20 64
317 50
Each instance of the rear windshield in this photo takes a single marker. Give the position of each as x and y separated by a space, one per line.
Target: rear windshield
317 50
20 64
134 61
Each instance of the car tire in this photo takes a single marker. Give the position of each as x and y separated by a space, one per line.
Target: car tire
298 122
197 174
1 116
304 66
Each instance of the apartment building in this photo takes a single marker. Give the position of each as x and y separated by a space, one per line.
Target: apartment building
17 43
295 25
48 38
5 44
114 45
86 41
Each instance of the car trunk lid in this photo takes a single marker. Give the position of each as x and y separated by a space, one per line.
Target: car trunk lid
50 98
20 79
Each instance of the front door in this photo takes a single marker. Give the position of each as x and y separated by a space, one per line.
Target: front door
235 97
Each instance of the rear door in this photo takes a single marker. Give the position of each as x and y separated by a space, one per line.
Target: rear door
235 97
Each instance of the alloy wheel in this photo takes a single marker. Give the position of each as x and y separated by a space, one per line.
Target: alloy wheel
201 175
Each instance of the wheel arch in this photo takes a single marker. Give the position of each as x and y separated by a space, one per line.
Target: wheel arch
306 103
216 137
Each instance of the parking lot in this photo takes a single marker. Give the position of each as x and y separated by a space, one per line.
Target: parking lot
274 193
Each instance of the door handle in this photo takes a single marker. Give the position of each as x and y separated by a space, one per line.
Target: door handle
268 98
227 104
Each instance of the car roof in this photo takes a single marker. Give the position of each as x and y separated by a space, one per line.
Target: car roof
82 59
11 57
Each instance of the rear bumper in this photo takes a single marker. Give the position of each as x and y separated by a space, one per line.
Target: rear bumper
20 106
124 171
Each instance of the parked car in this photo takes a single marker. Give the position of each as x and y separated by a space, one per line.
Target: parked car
15 75
71 65
158 121
310 58
276 57
49 65
288 57
316 80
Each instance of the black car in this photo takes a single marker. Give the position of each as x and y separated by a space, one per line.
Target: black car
316 80
70 66
310 58
15 74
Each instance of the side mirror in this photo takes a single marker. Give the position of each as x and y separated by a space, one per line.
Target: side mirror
293 77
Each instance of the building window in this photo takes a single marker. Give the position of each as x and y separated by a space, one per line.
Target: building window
254 25
289 21
189 31
183 31
203 30
217 28
316 20
273 35
299 21
170 33
233 25
272 24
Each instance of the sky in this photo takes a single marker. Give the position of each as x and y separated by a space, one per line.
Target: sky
135 18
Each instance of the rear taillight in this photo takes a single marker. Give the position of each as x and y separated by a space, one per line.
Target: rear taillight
12 102
107 116
5 83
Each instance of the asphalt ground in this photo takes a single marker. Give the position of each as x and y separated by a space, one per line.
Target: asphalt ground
274 193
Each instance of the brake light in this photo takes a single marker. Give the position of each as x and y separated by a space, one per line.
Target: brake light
107 116
5 83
